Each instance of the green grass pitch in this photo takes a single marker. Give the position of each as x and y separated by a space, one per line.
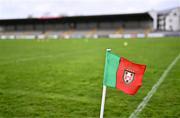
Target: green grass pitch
63 78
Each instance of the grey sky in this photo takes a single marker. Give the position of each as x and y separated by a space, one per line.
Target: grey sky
38 8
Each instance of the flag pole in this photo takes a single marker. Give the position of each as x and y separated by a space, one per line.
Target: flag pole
103 101
103 95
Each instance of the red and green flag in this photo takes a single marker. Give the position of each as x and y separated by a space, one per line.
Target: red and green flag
123 74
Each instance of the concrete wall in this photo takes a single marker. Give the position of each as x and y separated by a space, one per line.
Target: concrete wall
154 14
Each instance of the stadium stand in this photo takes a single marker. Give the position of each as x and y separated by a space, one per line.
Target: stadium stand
117 26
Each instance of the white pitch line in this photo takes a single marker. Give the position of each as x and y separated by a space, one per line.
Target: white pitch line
153 90
45 56
48 95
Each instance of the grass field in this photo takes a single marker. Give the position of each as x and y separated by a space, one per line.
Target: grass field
63 78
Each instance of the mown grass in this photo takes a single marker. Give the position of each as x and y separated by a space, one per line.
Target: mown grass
63 78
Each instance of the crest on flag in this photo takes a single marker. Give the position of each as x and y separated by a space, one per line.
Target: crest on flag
128 76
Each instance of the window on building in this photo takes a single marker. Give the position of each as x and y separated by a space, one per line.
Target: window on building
175 14
170 20
170 28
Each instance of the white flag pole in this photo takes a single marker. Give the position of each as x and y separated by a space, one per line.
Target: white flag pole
103 96
103 101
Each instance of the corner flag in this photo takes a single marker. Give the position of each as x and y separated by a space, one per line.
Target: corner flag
122 74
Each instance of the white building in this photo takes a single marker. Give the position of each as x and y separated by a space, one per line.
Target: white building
169 20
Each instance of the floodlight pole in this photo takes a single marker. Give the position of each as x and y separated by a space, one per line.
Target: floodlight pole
103 95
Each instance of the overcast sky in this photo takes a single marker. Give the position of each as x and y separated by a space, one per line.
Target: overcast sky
38 8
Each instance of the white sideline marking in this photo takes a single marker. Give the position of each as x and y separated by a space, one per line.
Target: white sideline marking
49 95
45 56
153 90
